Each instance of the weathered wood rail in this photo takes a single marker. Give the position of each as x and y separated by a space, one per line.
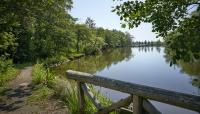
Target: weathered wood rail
139 95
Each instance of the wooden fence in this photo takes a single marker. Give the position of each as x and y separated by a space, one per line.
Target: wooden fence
139 95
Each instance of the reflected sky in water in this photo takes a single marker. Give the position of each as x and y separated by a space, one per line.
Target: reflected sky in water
149 67
145 65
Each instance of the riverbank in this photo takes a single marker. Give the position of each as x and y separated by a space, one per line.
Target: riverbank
53 62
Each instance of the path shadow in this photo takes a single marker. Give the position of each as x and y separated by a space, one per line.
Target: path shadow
15 98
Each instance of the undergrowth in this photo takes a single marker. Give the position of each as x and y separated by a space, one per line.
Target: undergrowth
7 71
64 90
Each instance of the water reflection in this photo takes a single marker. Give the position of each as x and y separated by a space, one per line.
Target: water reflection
149 66
191 68
158 49
111 57
92 64
145 49
149 49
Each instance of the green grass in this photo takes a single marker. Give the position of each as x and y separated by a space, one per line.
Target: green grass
42 75
103 99
8 70
41 93
67 92
8 75
75 55
64 90
54 60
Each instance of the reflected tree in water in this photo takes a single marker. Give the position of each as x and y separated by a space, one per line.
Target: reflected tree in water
192 68
149 49
158 49
93 64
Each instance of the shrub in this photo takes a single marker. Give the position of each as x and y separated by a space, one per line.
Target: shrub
7 71
5 64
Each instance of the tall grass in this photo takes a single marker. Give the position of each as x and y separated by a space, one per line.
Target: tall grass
42 75
67 92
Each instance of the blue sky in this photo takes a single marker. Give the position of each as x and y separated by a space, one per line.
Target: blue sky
100 11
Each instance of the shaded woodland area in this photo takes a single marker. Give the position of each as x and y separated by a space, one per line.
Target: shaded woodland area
32 30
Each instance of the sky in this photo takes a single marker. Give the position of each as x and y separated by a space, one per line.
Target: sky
100 12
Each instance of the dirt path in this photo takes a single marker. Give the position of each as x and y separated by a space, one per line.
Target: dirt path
15 98
23 79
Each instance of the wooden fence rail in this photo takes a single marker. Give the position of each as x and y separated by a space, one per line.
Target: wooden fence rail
139 95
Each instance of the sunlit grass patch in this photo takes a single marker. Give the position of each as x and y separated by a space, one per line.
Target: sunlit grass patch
64 90
67 92
10 74
42 75
7 71
41 93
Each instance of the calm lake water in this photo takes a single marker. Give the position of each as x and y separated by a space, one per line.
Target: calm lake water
147 66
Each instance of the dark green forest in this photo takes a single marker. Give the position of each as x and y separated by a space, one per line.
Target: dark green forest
32 30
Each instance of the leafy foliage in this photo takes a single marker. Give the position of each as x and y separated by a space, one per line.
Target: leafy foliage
7 44
176 20
165 15
31 30
185 41
37 27
90 22
7 71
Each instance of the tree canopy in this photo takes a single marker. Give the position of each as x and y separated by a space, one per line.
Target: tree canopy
90 22
177 21
31 30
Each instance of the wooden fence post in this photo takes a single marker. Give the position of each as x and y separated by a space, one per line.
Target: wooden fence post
137 105
81 98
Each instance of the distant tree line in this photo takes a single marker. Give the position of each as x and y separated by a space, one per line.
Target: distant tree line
31 30
147 43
